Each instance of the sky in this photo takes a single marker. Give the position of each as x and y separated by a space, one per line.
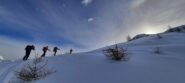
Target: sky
83 25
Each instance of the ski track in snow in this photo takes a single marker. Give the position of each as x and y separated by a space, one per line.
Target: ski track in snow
4 74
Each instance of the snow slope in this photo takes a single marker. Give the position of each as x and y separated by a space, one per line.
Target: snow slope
143 66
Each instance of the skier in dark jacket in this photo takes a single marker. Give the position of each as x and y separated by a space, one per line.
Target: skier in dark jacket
55 50
28 51
71 50
45 49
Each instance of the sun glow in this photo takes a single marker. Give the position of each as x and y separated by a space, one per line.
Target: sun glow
150 32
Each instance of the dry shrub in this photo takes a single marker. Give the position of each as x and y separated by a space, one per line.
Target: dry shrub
157 50
33 71
116 53
129 38
159 36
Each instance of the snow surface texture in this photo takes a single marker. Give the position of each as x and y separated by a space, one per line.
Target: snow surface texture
143 66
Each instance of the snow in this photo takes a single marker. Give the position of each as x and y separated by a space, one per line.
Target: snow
1 58
143 66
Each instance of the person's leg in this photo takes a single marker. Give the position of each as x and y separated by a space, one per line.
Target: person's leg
44 53
55 53
27 55
70 52
24 58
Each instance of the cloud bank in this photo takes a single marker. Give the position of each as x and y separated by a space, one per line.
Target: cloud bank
86 2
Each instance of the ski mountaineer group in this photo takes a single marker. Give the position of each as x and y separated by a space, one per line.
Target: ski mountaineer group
29 48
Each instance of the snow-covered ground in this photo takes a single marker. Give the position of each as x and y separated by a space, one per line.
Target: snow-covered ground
143 66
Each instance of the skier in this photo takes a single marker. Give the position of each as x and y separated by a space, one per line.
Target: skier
28 51
55 50
71 50
44 49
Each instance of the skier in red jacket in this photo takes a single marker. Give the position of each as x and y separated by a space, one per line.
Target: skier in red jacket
45 49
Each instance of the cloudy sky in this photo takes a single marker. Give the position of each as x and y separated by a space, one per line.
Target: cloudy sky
81 24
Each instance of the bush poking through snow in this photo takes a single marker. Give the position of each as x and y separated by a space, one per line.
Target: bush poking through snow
34 70
157 50
129 38
158 36
116 53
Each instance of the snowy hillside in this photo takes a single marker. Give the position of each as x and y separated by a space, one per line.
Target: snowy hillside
177 29
143 66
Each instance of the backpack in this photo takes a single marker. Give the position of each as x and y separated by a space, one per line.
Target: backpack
55 49
44 49
28 47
